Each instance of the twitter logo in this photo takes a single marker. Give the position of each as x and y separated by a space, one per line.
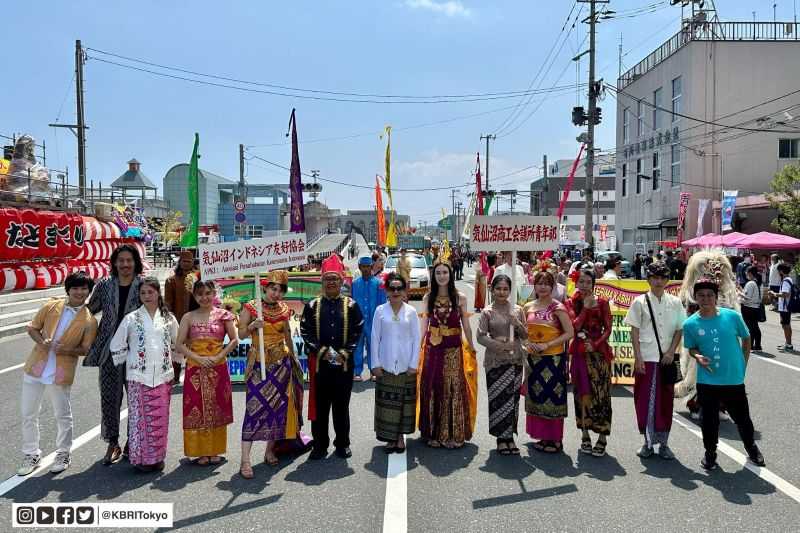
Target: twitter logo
85 515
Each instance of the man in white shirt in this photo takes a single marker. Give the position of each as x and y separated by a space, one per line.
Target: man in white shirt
613 268
783 295
517 274
774 278
652 397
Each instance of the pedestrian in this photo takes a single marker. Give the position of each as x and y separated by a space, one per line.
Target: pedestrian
63 330
637 266
613 269
720 343
647 261
114 296
741 269
178 296
656 320
590 366
774 279
504 361
750 298
273 406
145 344
330 343
784 297
447 397
207 405
396 340
549 327
367 293
600 269
516 273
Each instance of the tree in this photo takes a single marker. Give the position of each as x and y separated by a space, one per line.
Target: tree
169 227
785 197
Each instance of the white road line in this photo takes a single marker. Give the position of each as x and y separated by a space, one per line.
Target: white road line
9 369
395 508
767 475
779 363
44 465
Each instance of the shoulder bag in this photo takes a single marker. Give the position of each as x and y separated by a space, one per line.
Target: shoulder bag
670 374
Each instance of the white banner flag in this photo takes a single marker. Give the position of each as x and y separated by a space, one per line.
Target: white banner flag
230 259
701 213
506 233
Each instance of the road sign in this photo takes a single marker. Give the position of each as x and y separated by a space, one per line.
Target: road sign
239 206
240 218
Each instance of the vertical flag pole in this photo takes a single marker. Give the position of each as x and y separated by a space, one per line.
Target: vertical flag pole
512 294
261 356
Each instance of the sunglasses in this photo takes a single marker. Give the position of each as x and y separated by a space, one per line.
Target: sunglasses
394 288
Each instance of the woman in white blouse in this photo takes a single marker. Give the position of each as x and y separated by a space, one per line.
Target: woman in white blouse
750 298
395 355
145 342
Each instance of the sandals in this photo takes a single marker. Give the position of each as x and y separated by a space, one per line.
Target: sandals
202 461
246 470
552 447
390 447
434 444
215 460
271 460
538 445
502 448
586 445
599 449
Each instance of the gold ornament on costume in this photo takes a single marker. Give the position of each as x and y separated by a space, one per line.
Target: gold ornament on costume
280 277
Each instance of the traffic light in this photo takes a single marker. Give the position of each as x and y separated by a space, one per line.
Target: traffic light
578 116
312 187
598 116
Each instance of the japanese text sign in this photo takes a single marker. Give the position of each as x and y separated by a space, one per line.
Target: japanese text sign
230 259
513 233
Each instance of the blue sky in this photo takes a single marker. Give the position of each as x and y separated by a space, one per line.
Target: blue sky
396 47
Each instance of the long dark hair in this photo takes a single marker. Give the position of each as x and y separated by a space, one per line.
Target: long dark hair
498 278
137 259
452 292
578 302
152 281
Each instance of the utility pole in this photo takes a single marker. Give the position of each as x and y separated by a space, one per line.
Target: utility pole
488 137
315 175
242 195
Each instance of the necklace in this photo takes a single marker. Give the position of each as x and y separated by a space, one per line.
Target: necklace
396 314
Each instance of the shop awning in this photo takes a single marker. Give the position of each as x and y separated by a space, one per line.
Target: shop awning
658 224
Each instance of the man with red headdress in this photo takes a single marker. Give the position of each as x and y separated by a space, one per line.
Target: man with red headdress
331 325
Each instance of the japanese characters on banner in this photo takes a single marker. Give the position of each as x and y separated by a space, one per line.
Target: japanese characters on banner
231 259
513 233
684 203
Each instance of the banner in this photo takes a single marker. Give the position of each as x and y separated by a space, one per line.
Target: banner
296 215
702 205
513 232
728 205
470 212
381 220
189 237
684 203
391 236
568 186
603 232
230 259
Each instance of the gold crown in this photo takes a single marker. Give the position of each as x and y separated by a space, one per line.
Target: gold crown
442 261
281 277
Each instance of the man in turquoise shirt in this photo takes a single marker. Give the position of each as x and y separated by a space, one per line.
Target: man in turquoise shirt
368 295
719 341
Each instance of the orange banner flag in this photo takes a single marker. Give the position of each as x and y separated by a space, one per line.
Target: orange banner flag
381 222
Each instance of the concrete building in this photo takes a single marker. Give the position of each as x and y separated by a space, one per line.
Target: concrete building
320 219
134 185
732 82
547 191
365 222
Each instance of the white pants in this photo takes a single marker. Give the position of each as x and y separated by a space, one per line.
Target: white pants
62 411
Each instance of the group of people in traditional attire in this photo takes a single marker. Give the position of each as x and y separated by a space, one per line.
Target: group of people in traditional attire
424 366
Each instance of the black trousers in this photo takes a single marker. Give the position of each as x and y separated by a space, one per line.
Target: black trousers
333 388
735 399
112 384
750 316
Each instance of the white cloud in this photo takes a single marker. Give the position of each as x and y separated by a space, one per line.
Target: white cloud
449 8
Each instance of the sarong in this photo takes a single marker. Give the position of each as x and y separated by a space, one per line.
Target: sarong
207 410
503 384
273 408
395 406
148 417
653 402
546 399
591 382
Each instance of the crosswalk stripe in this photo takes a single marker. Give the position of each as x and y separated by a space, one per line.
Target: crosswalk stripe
395 507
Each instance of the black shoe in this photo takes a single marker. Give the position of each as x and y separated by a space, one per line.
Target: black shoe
344 453
755 456
113 454
317 454
125 452
709 461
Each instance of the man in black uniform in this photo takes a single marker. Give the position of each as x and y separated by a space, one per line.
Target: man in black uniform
330 326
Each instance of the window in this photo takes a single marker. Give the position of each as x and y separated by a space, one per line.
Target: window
675 175
638 176
247 231
788 148
604 194
656 170
676 98
625 125
656 105
624 180
604 218
639 118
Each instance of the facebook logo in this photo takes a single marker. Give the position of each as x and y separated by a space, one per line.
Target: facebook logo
65 515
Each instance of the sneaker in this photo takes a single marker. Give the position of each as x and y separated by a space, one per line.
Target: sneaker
785 348
709 461
29 464
61 462
755 456
645 451
665 453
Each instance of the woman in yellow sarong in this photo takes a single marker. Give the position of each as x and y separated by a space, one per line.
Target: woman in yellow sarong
207 402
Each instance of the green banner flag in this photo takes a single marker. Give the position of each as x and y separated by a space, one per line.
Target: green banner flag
488 205
189 237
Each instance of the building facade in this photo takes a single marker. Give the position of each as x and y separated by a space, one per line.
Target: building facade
707 111
365 222
547 192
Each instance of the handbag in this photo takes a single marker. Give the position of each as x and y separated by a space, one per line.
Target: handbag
670 374
762 313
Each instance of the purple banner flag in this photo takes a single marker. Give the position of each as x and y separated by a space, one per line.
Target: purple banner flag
296 214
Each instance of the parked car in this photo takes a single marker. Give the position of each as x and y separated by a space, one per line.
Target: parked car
627 271
420 276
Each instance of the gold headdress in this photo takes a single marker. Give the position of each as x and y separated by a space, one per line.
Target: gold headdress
280 277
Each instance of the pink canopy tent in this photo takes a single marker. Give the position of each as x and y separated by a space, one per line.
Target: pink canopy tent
764 240
729 240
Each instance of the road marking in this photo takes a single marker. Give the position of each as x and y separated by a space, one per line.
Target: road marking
767 475
776 362
9 369
47 461
395 508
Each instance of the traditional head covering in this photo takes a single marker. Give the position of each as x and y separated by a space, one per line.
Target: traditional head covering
333 265
280 277
706 283
365 261
186 254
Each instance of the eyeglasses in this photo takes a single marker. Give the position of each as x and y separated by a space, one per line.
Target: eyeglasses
394 288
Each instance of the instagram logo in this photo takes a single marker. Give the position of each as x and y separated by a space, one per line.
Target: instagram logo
25 516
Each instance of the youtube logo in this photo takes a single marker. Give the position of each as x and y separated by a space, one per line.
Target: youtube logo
45 515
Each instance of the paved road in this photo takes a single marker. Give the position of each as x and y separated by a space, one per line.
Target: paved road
471 489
